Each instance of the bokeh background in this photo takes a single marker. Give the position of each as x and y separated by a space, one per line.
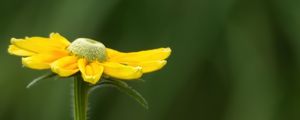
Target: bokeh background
231 59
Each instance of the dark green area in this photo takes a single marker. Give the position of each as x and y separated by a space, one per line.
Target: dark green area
231 59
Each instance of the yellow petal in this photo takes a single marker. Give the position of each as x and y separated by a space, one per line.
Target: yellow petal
151 66
120 71
43 60
12 49
146 55
111 53
91 71
65 66
149 60
40 44
59 39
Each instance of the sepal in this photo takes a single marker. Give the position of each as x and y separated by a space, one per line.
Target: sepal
43 77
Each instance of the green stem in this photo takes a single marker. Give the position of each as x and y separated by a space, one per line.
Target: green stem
80 102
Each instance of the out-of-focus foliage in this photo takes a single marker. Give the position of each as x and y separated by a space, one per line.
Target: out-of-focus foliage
231 60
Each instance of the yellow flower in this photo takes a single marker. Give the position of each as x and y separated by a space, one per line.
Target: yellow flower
89 57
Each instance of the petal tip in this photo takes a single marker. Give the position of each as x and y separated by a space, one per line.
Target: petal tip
168 49
163 62
90 79
53 34
13 40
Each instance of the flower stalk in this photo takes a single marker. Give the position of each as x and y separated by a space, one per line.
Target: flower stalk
80 98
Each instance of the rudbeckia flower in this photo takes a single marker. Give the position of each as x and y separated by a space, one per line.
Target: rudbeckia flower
87 56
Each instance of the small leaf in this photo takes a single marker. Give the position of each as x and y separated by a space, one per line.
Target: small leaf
45 76
124 87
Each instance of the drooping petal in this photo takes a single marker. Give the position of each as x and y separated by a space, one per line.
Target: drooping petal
117 70
14 50
41 44
91 71
146 55
150 66
65 66
42 60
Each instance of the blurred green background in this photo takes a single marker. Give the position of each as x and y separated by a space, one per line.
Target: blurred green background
231 59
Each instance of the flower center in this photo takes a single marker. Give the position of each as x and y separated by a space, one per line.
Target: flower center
89 49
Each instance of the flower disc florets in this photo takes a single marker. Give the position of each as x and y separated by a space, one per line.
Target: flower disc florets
89 49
